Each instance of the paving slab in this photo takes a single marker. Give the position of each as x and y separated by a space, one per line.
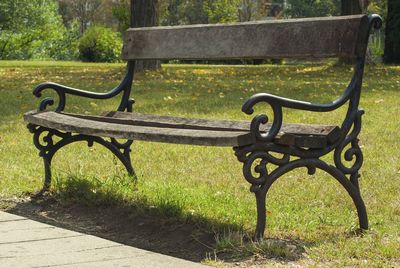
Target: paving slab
27 243
10 217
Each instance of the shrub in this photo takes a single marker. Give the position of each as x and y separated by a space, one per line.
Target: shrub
100 44
66 47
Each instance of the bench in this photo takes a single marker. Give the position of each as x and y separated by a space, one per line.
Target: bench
256 142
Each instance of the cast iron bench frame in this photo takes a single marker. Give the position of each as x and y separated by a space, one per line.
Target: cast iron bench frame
256 147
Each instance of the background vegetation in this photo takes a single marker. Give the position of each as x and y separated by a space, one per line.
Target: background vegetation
55 29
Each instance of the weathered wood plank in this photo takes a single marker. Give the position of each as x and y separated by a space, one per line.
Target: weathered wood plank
290 134
68 123
181 130
181 122
294 38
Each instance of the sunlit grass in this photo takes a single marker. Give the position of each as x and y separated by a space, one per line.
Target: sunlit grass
205 184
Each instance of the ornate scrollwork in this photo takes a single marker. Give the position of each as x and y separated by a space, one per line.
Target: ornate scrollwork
354 152
44 140
263 119
62 91
50 101
257 162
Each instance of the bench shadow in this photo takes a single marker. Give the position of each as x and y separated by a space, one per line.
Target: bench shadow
165 229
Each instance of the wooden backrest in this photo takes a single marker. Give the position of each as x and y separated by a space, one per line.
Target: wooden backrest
294 38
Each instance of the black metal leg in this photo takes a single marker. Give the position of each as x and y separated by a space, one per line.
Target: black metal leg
47 177
350 174
43 140
126 156
261 213
47 173
255 162
362 212
352 188
354 180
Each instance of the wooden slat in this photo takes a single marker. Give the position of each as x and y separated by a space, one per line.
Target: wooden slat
294 38
181 130
73 124
290 134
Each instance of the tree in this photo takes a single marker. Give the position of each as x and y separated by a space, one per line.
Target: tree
170 12
221 11
144 14
82 10
312 8
194 13
28 28
245 10
175 12
121 11
392 41
253 9
350 7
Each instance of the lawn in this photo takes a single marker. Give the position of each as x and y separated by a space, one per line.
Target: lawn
203 186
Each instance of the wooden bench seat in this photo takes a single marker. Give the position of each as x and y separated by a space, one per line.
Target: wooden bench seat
179 130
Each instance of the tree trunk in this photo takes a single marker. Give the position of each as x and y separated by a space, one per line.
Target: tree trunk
351 7
144 14
392 40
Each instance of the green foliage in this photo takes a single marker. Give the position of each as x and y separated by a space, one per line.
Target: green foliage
221 11
100 44
378 7
312 8
176 12
28 28
193 12
170 12
120 11
85 11
66 48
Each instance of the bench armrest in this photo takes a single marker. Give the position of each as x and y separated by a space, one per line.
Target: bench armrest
62 91
277 103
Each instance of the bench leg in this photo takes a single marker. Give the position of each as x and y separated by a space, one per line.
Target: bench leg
43 139
255 171
349 151
261 212
126 152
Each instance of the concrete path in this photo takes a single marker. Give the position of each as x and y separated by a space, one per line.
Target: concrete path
27 243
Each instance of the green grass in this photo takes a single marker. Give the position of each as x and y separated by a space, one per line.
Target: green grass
204 184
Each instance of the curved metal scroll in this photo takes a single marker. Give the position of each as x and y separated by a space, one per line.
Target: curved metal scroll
62 91
263 119
43 139
262 183
354 151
